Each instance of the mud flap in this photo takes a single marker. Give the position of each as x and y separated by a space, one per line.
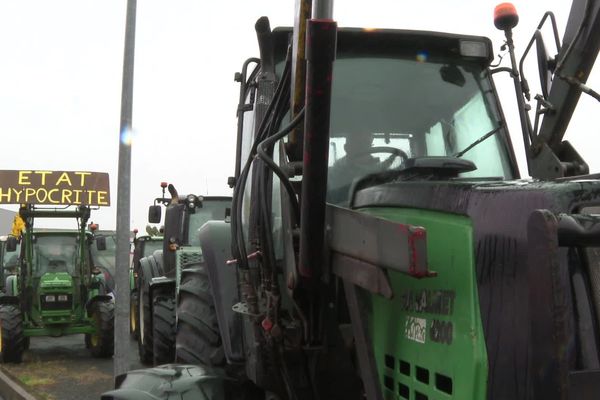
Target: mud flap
169 382
215 239
100 297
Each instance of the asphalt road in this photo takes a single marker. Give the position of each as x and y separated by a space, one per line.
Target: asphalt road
63 369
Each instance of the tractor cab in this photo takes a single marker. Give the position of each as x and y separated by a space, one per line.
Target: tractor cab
103 253
56 274
417 103
55 254
144 246
184 215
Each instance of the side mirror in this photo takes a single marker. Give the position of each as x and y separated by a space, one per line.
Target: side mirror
544 68
11 244
101 243
154 214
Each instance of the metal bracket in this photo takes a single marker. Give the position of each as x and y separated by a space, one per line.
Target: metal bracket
242 308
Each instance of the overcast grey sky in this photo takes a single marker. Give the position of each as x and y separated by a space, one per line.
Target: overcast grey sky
60 82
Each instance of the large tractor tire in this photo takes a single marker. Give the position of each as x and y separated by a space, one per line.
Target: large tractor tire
101 343
149 268
134 316
12 338
198 340
145 345
163 324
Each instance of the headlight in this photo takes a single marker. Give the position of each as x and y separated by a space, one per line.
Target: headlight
62 297
471 48
50 298
191 200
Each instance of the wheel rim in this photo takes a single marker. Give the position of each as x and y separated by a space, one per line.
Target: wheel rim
132 319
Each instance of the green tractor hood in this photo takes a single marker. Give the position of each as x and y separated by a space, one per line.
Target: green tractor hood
55 280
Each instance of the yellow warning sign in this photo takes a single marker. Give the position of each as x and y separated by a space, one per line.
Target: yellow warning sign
54 187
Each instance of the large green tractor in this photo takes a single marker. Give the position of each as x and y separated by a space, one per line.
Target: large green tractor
56 290
382 244
168 277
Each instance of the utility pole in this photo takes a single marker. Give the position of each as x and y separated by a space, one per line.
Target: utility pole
124 199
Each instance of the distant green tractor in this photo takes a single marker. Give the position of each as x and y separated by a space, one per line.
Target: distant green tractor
144 246
56 290
167 281
104 254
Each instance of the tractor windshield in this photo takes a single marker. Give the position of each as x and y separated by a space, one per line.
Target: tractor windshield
386 108
53 254
150 246
106 258
211 210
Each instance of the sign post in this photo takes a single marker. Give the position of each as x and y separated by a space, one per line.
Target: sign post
124 199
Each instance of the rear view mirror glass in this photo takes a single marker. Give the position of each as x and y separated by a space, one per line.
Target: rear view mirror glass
543 64
453 75
101 243
154 214
11 244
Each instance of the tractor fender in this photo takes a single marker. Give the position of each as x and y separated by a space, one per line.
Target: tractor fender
98 285
150 269
215 240
6 299
170 381
152 266
161 285
99 297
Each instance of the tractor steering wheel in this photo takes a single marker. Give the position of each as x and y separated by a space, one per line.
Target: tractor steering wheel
342 177
394 151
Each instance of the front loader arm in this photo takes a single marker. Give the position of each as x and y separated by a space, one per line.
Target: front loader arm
581 44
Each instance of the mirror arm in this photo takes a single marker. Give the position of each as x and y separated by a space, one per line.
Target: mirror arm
501 69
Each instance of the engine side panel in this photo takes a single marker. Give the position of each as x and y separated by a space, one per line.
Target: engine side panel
430 323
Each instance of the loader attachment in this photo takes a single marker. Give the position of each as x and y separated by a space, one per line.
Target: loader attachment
561 297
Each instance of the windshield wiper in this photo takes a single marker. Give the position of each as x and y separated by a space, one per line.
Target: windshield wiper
475 143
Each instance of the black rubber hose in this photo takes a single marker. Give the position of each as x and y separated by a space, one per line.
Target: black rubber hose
238 193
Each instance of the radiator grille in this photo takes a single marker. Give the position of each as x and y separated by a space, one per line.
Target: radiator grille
407 381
